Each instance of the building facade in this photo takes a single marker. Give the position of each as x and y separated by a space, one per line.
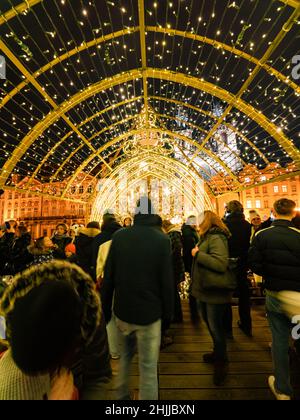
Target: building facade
41 214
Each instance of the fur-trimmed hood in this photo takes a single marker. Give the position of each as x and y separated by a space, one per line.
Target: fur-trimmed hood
90 232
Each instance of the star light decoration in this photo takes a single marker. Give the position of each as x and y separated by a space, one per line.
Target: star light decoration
227 22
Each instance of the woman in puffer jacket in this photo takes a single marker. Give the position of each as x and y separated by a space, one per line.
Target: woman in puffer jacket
210 262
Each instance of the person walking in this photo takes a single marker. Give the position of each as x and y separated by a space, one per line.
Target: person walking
211 260
239 243
138 272
190 238
275 255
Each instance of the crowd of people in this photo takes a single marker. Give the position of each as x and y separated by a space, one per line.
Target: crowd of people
80 301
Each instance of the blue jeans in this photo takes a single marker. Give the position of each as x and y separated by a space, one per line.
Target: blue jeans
113 336
281 329
213 315
146 338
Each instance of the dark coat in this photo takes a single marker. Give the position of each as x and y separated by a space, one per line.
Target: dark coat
190 239
84 249
6 245
93 362
39 257
211 262
240 230
139 271
61 242
275 255
105 236
20 254
177 258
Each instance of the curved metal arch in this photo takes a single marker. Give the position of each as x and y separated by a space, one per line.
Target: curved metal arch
68 54
125 136
157 176
100 172
212 116
87 120
164 164
201 85
15 11
133 132
200 129
199 110
52 179
171 32
23 7
220 45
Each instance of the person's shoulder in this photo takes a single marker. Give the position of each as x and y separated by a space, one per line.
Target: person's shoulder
265 231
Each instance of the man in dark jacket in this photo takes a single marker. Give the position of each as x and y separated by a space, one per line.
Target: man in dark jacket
190 239
275 255
138 272
239 244
108 228
84 243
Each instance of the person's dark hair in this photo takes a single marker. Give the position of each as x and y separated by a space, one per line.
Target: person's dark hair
108 220
93 225
39 243
22 230
284 207
64 226
234 206
49 309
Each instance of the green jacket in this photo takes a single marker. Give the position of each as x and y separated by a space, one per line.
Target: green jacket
211 260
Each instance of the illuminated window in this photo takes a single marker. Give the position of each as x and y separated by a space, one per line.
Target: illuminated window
276 189
81 189
284 189
249 204
256 190
257 204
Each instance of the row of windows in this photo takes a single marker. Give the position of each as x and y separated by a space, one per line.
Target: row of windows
276 189
258 204
81 189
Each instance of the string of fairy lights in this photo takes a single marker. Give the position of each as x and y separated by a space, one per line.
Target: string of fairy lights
53 27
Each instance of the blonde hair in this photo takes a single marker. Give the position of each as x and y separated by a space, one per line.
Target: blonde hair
211 220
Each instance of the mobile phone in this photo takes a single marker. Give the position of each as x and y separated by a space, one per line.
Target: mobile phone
7 225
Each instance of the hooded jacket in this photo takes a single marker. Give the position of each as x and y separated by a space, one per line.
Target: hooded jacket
84 243
175 236
240 230
190 239
275 255
20 255
139 271
211 261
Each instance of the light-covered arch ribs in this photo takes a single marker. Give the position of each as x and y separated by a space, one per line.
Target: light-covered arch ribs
201 85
